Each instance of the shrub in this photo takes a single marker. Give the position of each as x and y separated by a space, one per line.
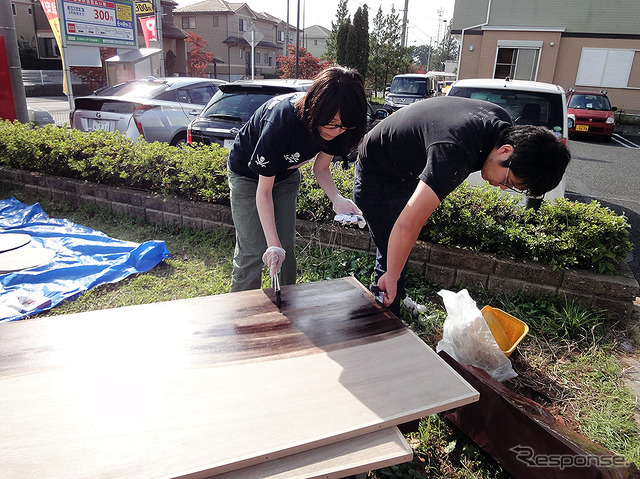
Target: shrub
561 233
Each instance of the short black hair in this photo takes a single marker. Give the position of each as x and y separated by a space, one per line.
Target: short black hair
539 158
336 89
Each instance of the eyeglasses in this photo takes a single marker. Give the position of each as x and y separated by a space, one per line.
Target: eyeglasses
511 187
335 126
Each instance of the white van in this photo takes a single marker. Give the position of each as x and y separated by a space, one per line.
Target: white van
411 87
528 103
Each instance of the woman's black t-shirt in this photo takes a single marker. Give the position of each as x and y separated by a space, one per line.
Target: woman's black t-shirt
274 142
439 140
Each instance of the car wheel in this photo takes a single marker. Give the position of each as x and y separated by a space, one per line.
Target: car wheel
179 140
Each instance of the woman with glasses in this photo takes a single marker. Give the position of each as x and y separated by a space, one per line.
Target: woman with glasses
410 162
287 131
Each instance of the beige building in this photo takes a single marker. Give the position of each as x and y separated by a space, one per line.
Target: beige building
225 26
315 40
573 43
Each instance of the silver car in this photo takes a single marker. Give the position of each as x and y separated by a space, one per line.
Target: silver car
158 109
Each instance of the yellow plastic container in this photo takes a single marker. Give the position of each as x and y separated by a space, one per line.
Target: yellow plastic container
507 330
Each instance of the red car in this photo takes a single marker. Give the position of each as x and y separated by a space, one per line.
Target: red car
592 114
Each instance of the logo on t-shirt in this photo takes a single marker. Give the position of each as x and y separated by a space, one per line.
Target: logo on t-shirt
294 158
262 161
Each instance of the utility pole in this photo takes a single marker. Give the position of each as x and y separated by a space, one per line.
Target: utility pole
298 38
159 16
404 23
286 34
8 31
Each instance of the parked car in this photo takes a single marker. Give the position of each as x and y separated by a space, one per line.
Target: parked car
528 103
411 87
158 109
592 114
232 106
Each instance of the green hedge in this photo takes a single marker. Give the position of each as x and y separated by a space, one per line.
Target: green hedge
561 233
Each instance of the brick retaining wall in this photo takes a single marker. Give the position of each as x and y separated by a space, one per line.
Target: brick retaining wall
450 267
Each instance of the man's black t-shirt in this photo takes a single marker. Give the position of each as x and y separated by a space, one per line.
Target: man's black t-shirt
439 140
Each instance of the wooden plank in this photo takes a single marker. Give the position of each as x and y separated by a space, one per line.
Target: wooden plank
208 385
345 458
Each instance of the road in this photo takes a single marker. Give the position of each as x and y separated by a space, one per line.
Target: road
607 172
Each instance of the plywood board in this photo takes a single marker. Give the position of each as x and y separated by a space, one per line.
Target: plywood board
361 454
203 386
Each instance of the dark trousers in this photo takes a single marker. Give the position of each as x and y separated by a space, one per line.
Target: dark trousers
381 201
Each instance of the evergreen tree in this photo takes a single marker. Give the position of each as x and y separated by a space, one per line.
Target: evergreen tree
447 50
387 55
342 15
361 37
342 39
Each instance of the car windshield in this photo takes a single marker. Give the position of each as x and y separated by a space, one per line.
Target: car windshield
589 102
409 86
238 104
137 88
525 108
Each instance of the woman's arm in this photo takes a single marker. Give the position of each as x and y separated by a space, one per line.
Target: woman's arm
341 205
264 205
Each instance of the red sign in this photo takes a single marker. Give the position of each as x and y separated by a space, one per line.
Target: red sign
148 25
7 106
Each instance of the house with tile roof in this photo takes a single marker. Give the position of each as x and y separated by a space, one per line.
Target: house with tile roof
315 40
225 27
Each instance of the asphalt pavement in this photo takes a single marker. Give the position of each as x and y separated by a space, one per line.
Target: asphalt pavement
57 106
609 173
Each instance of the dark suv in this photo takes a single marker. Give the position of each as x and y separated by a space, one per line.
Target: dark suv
232 106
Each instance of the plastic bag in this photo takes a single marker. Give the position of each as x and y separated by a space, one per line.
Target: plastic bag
468 339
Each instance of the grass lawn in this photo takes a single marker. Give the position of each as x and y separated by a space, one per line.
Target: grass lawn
569 361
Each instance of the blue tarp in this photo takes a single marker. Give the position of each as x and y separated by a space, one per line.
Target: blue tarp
84 258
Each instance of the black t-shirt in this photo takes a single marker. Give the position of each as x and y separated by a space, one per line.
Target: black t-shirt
439 140
273 142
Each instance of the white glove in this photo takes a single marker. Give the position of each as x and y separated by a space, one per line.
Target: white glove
343 206
351 219
273 258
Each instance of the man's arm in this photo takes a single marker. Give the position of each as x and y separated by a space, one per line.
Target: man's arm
404 234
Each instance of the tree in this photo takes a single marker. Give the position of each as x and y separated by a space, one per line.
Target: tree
357 46
342 39
422 54
387 55
342 14
308 65
198 59
447 50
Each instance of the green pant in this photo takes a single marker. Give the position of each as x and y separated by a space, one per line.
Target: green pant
250 240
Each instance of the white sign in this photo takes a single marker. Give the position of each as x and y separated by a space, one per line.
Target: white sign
102 22
253 37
